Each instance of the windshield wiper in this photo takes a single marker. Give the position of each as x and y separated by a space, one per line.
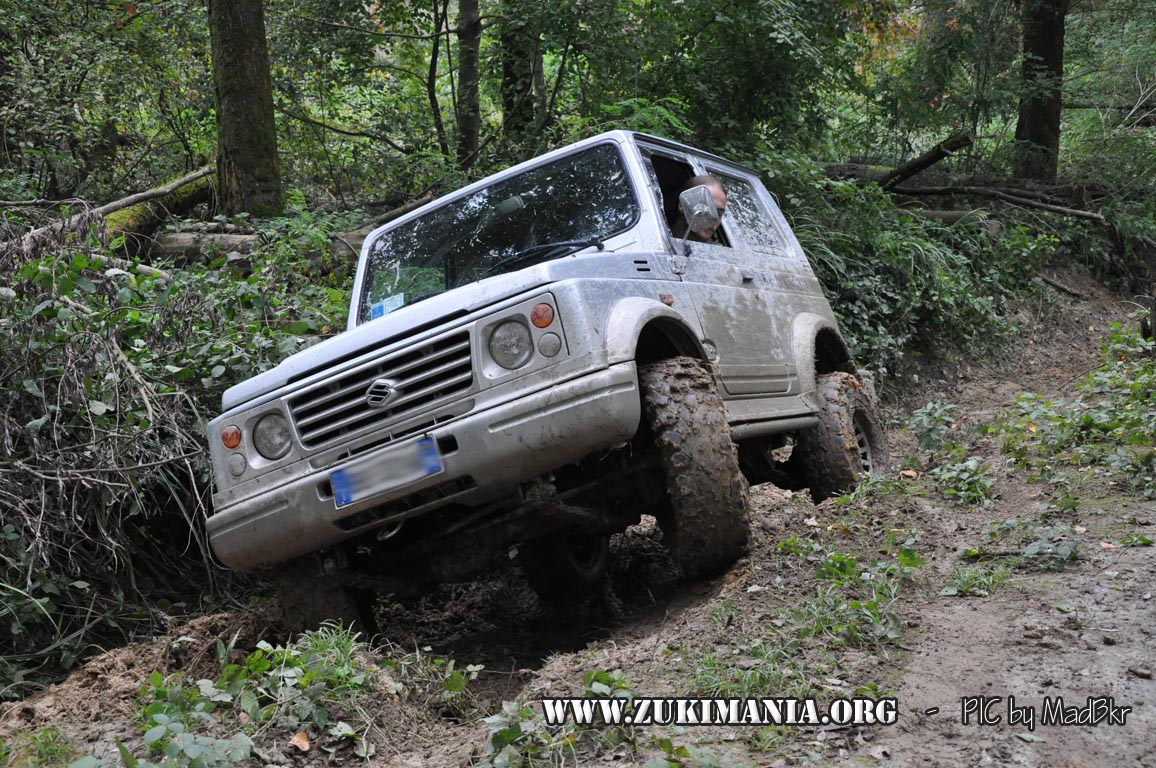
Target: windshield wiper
546 250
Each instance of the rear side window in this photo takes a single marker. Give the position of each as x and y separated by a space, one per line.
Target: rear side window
748 215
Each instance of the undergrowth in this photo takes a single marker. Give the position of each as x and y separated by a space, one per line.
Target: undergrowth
109 372
1109 425
324 691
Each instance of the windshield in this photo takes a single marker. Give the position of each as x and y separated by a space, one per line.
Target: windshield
506 226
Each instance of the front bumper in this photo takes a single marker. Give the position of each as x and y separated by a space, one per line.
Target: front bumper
486 455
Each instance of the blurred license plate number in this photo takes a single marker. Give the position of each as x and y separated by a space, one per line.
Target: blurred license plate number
401 466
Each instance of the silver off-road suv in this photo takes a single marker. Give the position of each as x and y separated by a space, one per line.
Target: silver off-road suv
535 361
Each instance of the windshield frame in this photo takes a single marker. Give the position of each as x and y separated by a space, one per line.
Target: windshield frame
630 196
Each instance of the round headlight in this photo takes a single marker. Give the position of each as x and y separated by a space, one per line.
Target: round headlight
271 436
511 345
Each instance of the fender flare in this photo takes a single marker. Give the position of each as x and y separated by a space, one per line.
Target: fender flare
804 333
630 316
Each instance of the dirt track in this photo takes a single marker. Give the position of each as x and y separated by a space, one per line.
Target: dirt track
1081 632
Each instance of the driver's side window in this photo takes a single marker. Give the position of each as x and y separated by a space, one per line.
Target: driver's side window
668 175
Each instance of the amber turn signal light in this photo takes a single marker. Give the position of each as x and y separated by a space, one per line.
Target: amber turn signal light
231 436
542 315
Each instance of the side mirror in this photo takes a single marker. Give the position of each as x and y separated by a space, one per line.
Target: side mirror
697 206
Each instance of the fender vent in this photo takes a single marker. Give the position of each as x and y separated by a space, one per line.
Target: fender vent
642 265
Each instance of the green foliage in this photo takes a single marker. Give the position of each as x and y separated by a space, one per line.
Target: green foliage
975 580
966 481
793 545
1110 425
855 608
47 747
770 666
900 285
519 737
110 375
436 682
211 724
932 424
1029 543
614 684
97 89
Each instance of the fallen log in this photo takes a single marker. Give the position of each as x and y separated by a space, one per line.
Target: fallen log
137 222
889 177
1060 286
190 247
52 234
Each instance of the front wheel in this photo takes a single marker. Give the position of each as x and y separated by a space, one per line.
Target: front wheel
566 569
848 442
307 599
707 524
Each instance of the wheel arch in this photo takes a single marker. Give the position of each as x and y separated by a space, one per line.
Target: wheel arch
818 348
645 330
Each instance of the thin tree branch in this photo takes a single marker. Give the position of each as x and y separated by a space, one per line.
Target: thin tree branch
345 131
431 84
1000 195
370 32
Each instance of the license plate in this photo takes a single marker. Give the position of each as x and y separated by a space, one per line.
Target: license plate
371 477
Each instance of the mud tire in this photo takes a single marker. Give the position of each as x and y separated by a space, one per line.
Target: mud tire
849 440
566 570
706 524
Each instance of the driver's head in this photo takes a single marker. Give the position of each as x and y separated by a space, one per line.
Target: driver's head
717 193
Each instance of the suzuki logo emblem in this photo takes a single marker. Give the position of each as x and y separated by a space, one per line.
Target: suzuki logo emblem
381 393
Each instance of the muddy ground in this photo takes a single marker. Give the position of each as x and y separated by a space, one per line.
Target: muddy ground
1083 631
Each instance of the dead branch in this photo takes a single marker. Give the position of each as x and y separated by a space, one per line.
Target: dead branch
929 158
31 243
1060 286
39 203
128 266
1000 195
346 131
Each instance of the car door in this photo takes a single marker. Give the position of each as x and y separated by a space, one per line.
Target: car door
766 262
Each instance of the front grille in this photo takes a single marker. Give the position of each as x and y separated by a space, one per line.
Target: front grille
423 377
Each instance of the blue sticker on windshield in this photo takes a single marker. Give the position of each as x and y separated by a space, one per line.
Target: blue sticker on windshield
386 305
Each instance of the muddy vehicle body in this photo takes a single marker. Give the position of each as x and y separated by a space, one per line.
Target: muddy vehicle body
536 361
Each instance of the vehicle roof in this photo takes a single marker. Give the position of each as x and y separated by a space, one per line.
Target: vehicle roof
617 136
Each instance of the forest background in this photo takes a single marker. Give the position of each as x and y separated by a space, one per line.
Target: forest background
303 120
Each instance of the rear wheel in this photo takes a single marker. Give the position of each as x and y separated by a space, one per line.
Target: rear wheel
848 442
566 569
706 524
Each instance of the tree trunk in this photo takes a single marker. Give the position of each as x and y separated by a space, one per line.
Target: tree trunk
469 111
521 61
248 170
1038 129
